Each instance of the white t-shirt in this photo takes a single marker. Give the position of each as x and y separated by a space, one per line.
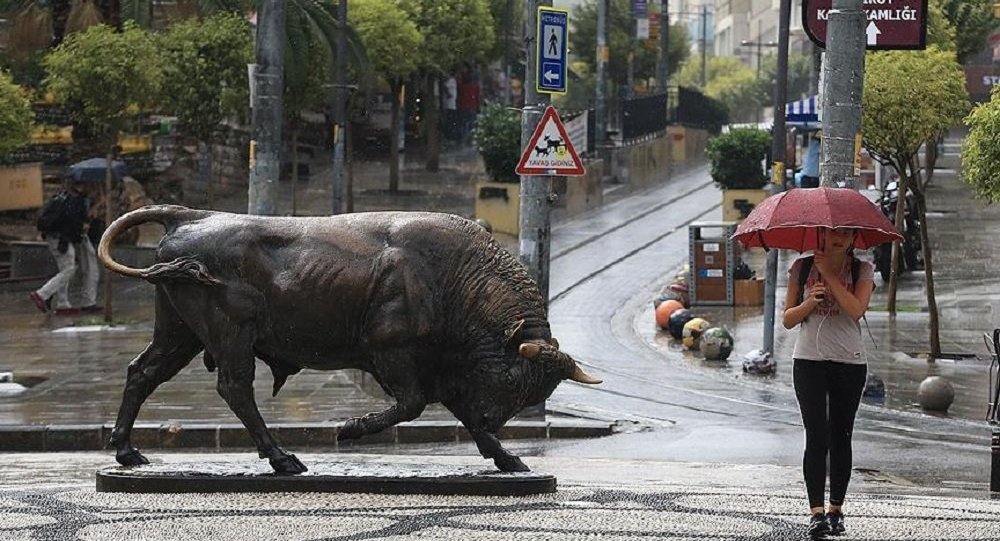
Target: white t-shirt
449 100
830 334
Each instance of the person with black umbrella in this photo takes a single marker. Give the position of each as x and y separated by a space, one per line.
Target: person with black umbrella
62 224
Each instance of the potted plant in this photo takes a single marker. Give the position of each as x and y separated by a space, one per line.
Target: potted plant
737 167
498 139
20 184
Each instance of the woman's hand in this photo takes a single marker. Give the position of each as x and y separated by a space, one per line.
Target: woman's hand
817 294
822 263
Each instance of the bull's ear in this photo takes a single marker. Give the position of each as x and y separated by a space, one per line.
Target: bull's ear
512 337
529 350
554 342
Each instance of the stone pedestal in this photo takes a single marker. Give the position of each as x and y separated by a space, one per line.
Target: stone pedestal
346 476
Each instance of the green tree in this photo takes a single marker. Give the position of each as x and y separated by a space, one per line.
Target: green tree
981 152
940 30
911 98
583 38
15 116
730 82
103 75
305 89
393 43
205 79
799 73
973 22
453 32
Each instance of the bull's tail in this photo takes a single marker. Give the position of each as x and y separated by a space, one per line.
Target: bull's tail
183 268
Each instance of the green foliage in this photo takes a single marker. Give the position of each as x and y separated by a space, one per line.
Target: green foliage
498 10
391 39
737 158
910 97
940 31
307 69
583 38
498 139
15 116
981 153
453 31
730 82
205 74
101 74
799 74
973 22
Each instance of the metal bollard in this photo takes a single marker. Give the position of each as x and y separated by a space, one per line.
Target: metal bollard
995 465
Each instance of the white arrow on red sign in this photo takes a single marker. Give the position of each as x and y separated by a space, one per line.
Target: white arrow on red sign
873 33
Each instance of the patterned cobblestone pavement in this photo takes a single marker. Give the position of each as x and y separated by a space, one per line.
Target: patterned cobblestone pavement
57 502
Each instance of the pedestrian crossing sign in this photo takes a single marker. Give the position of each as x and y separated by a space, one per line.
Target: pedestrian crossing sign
550 151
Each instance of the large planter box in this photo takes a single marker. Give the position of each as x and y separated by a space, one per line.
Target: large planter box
737 204
748 292
21 186
499 203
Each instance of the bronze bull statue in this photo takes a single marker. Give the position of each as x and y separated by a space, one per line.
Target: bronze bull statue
429 304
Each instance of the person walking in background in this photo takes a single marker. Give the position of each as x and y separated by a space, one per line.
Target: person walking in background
810 165
468 101
62 224
827 294
449 102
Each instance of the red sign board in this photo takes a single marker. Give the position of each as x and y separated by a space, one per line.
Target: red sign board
550 151
891 24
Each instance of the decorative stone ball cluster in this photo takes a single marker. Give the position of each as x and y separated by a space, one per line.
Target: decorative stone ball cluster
672 315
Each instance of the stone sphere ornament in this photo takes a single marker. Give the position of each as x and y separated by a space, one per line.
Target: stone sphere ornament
664 310
716 344
935 394
691 334
678 319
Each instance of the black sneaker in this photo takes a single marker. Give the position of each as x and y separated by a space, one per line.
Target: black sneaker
819 526
836 523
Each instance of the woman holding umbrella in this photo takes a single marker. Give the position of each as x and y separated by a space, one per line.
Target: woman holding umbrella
828 292
829 368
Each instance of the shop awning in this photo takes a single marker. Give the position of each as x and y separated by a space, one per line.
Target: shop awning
804 110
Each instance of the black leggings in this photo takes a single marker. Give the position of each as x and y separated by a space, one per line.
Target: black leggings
817 385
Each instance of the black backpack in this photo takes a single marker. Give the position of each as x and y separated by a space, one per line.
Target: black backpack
51 216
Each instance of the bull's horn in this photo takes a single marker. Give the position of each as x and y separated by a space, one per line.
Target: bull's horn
582 377
513 334
529 350
554 342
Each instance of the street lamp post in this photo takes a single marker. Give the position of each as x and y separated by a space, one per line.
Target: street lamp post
758 44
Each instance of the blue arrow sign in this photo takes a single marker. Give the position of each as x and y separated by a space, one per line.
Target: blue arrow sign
551 49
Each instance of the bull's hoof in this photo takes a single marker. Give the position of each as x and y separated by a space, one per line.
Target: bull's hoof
352 430
510 463
288 465
131 457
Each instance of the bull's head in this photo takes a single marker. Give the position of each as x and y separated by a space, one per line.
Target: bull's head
526 373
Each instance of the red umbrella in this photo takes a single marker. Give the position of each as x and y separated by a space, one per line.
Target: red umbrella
792 220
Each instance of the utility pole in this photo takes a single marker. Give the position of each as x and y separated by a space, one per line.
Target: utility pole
662 66
534 222
704 42
507 14
630 61
267 116
843 84
339 114
600 97
778 146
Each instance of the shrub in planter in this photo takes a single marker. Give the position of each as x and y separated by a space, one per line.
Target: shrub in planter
737 158
498 139
15 116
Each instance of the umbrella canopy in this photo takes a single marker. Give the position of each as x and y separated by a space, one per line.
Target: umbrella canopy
792 220
94 169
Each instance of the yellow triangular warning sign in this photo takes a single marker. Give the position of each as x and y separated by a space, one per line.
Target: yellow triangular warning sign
550 152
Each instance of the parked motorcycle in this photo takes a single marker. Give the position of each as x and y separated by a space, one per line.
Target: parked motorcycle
911 246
